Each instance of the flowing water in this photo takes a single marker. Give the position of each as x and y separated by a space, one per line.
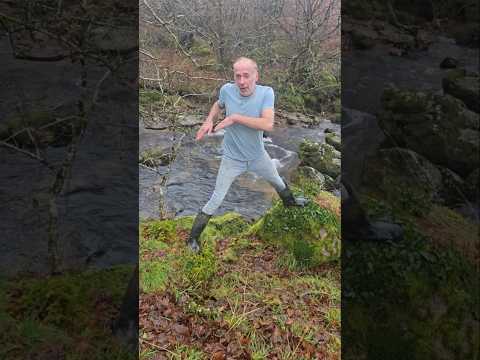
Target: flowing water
191 177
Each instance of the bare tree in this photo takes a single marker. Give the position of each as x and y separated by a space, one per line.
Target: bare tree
24 24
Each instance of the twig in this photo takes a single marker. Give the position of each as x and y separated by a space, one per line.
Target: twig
28 153
99 84
159 347
183 73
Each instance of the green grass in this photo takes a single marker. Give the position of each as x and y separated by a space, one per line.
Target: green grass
69 314
227 289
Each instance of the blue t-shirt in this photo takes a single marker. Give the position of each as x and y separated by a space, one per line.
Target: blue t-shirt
241 142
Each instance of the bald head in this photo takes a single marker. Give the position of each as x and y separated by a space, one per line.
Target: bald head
245 71
245 62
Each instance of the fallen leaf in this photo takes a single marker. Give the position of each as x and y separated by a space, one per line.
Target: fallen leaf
181 329
276 336
219 355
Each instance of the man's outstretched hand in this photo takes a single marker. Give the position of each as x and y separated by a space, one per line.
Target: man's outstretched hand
206 128
229 120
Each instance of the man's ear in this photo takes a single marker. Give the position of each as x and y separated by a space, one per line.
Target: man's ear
256 76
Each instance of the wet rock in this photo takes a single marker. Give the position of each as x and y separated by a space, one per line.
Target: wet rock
322 157
449 63
334 140
438 127
464 86
299 119
361 136
190 120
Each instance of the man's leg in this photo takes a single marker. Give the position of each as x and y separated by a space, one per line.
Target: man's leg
228 171
265 168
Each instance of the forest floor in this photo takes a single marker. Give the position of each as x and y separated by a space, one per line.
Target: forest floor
240 299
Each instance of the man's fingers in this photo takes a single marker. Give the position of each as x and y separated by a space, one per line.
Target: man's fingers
200 133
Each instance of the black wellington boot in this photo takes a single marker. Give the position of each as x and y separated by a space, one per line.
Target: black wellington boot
288 199
201 220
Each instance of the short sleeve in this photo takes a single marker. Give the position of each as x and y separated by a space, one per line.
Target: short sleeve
221 96
268 99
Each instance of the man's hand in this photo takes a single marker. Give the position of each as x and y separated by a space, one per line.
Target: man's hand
206 128
229 120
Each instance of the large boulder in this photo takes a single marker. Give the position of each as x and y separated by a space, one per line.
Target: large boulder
334 140
311 233
453 187
438 127
323 157
464 86
471 185
406 178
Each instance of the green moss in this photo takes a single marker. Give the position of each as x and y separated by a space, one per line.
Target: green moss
35 120
405 102
420 276
202 49
155 157
198 269
159 230
310 233
227 225
322 157
56 312
187 352
153 275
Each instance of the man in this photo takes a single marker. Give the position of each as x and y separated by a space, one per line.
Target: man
249 112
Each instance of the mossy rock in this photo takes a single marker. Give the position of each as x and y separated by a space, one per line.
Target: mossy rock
334 140
310 180
405 178
439 127
155 157
226 225
57 135
323 157
405 102
471 184
310 233
463 86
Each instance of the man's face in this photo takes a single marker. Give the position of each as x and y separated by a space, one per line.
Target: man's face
246 77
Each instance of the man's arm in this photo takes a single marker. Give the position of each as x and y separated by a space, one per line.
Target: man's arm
265 122
207 126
